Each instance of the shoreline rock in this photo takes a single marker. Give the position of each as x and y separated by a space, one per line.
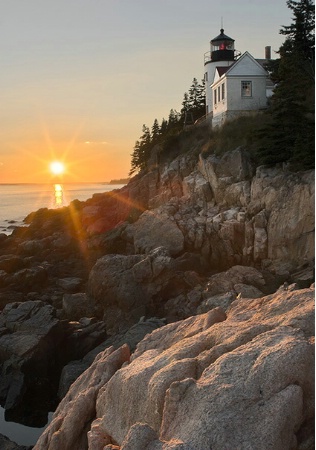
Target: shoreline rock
191 236
246 377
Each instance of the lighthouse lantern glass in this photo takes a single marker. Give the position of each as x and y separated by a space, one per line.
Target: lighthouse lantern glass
222 45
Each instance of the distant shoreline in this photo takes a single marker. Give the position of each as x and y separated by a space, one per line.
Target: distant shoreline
120 181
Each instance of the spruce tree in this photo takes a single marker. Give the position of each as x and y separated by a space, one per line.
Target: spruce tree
196 99
137 158
194 102
173 119
289 135
185 104
155 132
141 152
163 127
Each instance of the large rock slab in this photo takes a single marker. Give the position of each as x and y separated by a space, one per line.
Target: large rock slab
285 201
155 229
231 280
30 336
128 287
246 379
289 199
229 176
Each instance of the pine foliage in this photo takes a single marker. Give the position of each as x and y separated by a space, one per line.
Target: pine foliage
193 102
290 132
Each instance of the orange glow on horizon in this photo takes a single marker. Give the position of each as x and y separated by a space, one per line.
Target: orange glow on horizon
91 162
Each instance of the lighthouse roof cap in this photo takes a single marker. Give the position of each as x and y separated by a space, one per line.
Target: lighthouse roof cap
222 37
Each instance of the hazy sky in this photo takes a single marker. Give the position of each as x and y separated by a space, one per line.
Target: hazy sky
78 78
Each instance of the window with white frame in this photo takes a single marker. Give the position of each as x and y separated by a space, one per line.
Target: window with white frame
219 93
223 91
215 97
246 89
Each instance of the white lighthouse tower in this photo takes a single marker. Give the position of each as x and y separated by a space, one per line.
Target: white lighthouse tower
222 54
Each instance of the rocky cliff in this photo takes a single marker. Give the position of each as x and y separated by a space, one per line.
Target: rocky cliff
205 215
200 242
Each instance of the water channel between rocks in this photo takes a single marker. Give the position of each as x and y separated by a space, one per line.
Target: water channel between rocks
21 434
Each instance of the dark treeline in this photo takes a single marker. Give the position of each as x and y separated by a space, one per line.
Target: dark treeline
193 107
289 133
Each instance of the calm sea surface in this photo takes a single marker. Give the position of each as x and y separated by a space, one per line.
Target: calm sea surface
18 200
20 434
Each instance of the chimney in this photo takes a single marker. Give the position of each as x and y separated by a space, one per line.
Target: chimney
268 52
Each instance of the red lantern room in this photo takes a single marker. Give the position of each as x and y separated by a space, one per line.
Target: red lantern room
222 48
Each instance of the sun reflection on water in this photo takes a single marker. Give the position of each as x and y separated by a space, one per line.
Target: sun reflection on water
58 195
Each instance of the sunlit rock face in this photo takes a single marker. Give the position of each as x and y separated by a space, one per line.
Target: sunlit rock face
288 200
231 213
222 208
240 379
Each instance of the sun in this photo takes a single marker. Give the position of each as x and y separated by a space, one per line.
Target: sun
57 168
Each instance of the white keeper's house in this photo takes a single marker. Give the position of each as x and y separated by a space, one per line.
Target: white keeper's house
235 84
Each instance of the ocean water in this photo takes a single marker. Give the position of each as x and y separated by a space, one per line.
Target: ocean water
18 200
20 434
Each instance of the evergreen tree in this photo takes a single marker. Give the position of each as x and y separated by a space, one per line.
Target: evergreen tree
301 33
145 140
185 108
185 104
141 152
163 127
173 119
201 101
196 98
155 132
289 135
137 159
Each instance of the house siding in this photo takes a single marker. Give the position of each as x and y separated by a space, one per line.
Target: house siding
210 69
232 73
258 99
235 104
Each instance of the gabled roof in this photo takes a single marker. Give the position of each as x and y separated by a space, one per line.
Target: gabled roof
245 66
221 70
256 66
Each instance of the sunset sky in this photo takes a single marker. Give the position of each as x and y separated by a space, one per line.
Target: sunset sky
78 78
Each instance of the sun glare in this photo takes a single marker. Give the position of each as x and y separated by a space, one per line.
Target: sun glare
57 168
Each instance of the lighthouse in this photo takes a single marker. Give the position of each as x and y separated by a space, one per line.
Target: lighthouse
222 55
